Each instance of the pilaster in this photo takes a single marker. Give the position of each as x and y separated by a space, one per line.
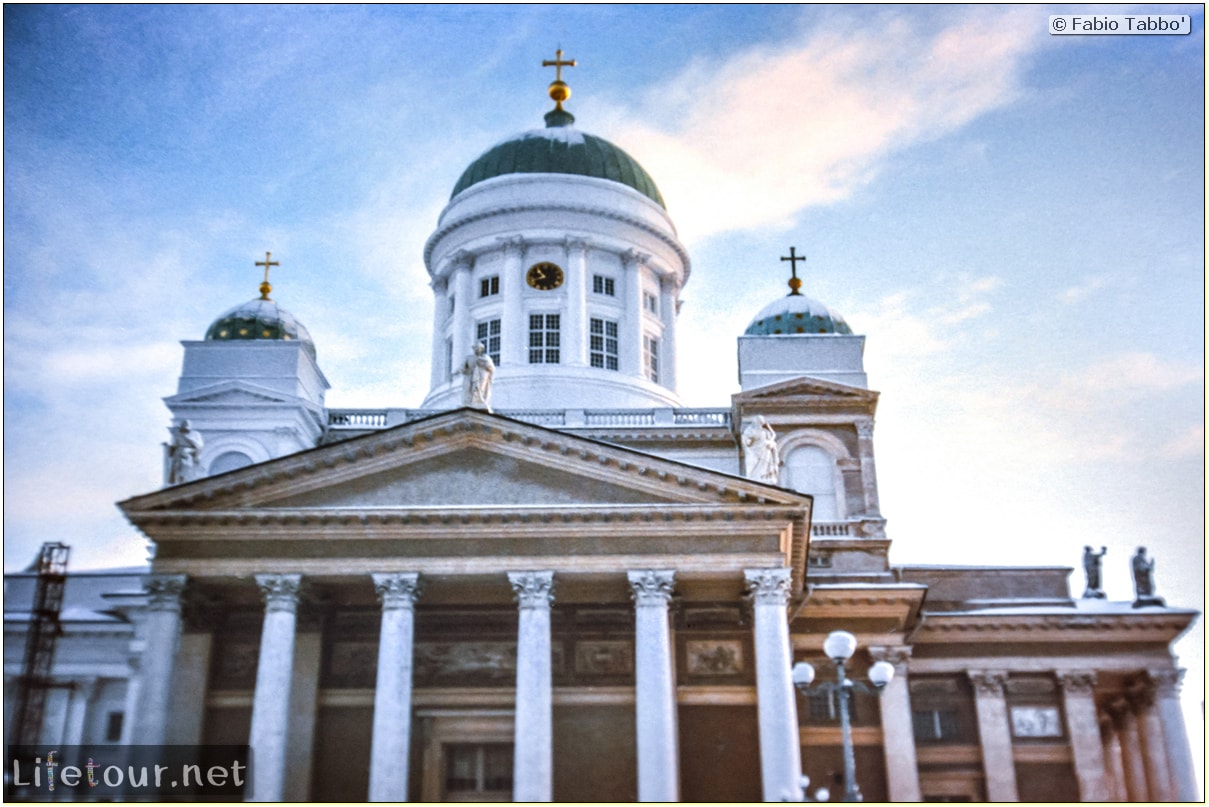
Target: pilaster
1175 734
513 327
1132 759
898 730
463 327
1083 728
864 440
575 347
1154 747
995 735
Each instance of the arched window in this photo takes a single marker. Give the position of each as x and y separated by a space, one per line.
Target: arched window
811 469
229 461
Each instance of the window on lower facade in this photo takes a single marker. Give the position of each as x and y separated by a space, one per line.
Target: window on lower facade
488 332
543 339
650 357
475 772
113 727
936 725
602 343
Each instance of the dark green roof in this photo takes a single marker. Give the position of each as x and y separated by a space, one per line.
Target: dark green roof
560 149
259 319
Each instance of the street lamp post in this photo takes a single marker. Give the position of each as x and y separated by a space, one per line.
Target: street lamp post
839 647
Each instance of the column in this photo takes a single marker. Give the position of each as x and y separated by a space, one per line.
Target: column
995 735
1131 751
1112 758
1083 728
1175 733
514 328
388 771
533 755
864 441
191 674
630 330
440 315
575 342
898 729
1154 748
668 287
161 635
271 700
777 710
463 327
655 688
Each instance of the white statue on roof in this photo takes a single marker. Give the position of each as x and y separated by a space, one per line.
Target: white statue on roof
761 456
478 371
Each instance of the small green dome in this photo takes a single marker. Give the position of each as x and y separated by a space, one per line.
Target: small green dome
259 319
796 314
560 148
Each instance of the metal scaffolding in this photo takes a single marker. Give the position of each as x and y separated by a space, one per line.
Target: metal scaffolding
35 680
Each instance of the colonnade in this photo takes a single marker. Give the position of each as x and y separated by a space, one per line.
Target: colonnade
655 693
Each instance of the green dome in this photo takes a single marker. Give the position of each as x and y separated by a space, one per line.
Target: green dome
259 319
560 148
796 314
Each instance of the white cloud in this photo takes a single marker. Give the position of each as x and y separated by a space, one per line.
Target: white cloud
770 132
1080 291
1134 373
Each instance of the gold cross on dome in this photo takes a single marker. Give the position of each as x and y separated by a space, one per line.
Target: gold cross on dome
558 64
267 263
793 257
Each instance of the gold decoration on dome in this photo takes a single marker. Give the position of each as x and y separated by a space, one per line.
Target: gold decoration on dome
559 91
795 282
265 288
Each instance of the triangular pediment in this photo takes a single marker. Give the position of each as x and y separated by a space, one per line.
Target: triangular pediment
806 387
460 459
467 492
230 393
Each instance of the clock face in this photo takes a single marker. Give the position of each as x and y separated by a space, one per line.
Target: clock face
544 276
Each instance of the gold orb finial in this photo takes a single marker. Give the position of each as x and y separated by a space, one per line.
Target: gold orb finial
559 91
795 282
267 263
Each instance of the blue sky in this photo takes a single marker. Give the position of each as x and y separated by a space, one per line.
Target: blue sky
1015 221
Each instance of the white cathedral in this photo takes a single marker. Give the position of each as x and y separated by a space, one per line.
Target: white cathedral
552 581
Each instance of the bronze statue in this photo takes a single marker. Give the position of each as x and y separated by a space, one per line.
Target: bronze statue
1091 568
1143 580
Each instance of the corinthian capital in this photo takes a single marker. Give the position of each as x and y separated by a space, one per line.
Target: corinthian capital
768 586
988 683
164 591
864 428
397 589
533 589
279 591
651 587
897 655
1166 683
1078 682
